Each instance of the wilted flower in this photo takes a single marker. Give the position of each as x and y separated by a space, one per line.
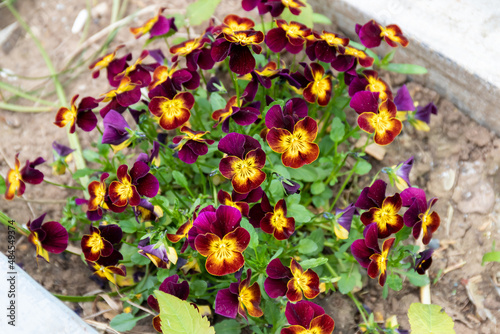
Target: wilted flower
115 129
81 115
50 237
423 261
15 180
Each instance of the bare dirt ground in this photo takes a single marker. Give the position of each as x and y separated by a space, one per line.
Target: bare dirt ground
457 161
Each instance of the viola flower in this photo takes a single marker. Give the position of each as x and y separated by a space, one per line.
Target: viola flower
422 117
378 264
195 53
237 144
276 7
126 94
146 211
108 267
168 81
129 187
292 281
343 221
182 232
15 180
191 145
383 123
235 46
238 297
156 26
325 46
261 76
218 236
381 210
81 116
419 215
160 255
403 100
173 112
61 157
372 33
291 37
170 286
319 88
294 110
307 317
244 115
423 261
400 174
100 241
297 148
258 211
349 59
97 192
137 72
104 62
370 80
277 223
225 198
115 129
50 237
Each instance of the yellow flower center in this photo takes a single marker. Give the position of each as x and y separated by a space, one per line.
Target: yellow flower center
172 107
245 168
125 189
95 242
292 30
381 122
330 39
384 216
387 32
353 52
295 143
278 220
375 85
223 250
14 176
243 39
245 296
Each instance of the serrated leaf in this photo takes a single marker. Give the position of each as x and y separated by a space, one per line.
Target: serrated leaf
313 263
321 19
180 179
488 257
180 317
363 167
307 246
405 68
125 321
200 11
338 130
429 319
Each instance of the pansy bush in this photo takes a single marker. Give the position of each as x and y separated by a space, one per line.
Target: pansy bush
219 169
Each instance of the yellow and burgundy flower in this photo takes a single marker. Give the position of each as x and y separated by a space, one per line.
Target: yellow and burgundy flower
419 215
325 46
244 115
245 174
172 113
238 297
291 37
50 237
100 241
293 282
233 23
182 232
378 264
108 267
305 317
275 7
126 94
423 261
81 115
225 198
191 145
370 81
168 81
130 186
156 26
372 33
161 256
137 72
277 223
147 212
297 148
235 46
171 286
97 191
16 178
259 210
261 76
104 62
295 109
350 58
319 89
383 123
196 54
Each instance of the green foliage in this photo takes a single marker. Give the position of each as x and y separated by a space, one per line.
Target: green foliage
307 246
349 280
305 17
405 68
3 187
200 11
491 257
180 317
338 130
228 326
125 321
429 319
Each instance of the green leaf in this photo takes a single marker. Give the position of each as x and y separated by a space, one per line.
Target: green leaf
272 313
307 246
140 260
321 19
363 167
92 156
299 213
338 130
388 57
129 225
305 17
405 68
217 102
254 237
125 321
318 236
180 317
3 187
228 326
317 188
394 282
348 281
198 288
313 263
82 172
427 319
306 173
180 179
488 257
200 11
416 279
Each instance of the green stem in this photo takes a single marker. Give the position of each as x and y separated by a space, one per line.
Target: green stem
6 220
360 307
235 83
343 186
25 95
63 185
18 108
77 299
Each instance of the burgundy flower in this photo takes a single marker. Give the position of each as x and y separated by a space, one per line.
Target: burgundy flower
237 144
348 61
191 145
50 237
291 37
195 52
81 115
156 26
126 94
260 76
242 115
307 317
423 261
100 241
16 178
372 33
225 198
259 211
168 81
130 186
325 46
276 7
108 267
370 81
295 109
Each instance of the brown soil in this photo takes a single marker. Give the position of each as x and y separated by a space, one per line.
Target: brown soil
456 161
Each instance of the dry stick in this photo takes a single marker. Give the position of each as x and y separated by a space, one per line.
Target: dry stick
102 326
97 314
454 267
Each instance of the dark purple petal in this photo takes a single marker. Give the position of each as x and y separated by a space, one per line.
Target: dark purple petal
31 175
187 155
291 187
324 52
276 270
345 219
220 49
237 144
294 49
228 219
197 147
296 107
194 82
343 63
423 261
357 85
162 26
61 150
251 89
37 223
411 216
241 60
128 98
112 105
226 303
157 55
403 100
205 60
56 238
302 313
364 101
86 120
410 194
252 197
371 237
248 5
361 253
276 287
369 34
139 170
114 128
113 233
148 186
88 103
276 39
424 113
404 169
246 116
